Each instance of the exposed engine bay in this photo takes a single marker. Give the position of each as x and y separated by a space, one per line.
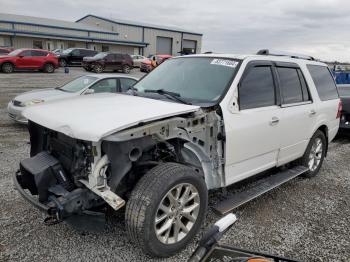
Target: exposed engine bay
71 175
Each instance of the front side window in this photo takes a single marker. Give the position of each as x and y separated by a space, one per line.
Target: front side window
198 80
26 53
126 83
324 82
105 86
38 53
76 52
78 84
257 88
290 85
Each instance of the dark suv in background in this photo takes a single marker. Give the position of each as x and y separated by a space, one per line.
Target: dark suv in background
74 56
108 62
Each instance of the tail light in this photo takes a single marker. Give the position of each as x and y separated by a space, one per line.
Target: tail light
340 109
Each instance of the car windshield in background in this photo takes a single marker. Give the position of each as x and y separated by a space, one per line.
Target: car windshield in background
100 55
15 53
197 80
67 51
344 90
78 84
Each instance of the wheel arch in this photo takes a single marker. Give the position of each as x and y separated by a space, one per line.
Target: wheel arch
7 61
324 129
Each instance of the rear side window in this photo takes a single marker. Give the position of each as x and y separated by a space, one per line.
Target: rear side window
293 85
257 88
126 83
38 53
324 82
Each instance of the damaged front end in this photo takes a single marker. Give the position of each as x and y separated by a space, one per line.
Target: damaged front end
56 172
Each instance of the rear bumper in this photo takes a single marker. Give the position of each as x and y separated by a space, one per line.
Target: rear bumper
344 123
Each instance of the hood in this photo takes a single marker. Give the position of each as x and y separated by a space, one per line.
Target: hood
93 117
48 94
5 56
90 58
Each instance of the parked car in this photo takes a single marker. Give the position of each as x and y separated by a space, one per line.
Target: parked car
5 50
74 56
29 59
196 123
80 86
108 62
138 59
146 66
57 51
344 93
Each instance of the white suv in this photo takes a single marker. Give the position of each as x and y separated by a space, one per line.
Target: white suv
194 124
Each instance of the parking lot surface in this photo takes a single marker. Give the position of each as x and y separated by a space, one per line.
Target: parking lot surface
306 219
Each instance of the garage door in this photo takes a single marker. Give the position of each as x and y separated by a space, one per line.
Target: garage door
189 46
164 45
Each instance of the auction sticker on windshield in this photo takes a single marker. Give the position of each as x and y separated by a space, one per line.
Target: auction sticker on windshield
224 62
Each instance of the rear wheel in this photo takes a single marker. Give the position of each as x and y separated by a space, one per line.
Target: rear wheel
126 69
7 68
49 68
166 209
314 154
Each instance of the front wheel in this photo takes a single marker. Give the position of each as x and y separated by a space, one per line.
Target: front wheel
314 154
7 68
166 209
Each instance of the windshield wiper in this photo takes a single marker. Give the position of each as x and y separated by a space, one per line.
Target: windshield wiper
168 94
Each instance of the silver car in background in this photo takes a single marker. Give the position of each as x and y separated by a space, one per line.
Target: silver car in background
89 84
138 59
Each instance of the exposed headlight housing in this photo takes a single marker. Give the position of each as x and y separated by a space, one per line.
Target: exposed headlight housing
33 102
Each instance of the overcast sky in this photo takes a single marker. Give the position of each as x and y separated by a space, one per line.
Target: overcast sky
318 27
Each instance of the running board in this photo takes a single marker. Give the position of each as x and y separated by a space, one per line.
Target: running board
262 186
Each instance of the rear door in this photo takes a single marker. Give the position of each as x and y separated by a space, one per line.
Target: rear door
118 63
298 112
109 62
38 58
253 134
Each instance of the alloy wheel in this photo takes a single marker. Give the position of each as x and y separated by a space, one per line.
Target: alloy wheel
315 155
177 213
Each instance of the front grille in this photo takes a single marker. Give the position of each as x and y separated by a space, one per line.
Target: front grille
17 103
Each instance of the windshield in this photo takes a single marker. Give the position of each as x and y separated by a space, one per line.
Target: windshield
78 84
100 55
15 53
344 90
67 51
198 80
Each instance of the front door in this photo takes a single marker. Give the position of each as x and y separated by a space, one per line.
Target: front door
253 134
25 60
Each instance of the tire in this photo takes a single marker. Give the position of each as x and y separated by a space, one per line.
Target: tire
154 188
63 63
7 68
126 69
314 153
49 68
98 69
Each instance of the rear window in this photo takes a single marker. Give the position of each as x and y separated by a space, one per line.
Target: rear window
324 82
293 85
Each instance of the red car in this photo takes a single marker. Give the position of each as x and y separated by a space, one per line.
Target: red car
29 59
146 66
5 50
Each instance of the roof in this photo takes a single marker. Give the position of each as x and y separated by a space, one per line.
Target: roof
139 24
40 21
258 57
103 76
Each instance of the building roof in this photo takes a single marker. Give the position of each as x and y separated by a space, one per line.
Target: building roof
40 21
139 24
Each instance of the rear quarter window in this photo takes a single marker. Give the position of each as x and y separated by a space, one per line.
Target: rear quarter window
324 82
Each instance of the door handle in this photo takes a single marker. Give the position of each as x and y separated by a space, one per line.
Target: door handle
312 112
274 121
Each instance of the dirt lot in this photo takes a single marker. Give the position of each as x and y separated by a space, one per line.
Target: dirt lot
307 219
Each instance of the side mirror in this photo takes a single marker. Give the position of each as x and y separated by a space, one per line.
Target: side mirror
89 91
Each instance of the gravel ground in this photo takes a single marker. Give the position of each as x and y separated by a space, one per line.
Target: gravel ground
307 219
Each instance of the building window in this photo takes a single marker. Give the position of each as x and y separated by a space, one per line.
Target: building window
38 44
71 45
105 48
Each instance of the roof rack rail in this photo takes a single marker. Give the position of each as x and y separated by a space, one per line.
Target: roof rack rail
291 55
